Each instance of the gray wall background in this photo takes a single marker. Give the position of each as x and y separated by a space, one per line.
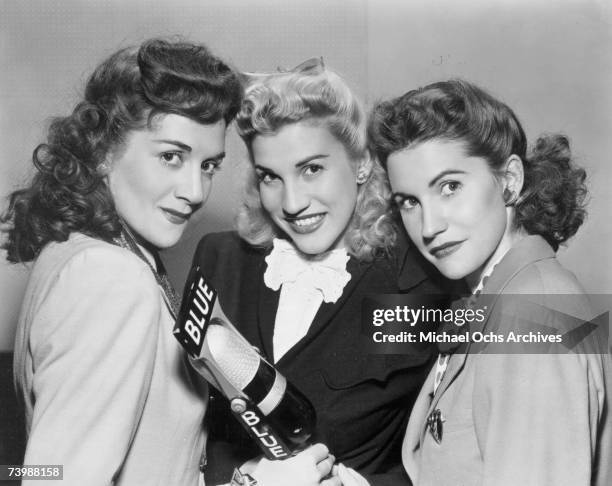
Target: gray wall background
550 61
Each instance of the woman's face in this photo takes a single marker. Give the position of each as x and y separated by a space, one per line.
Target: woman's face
161 175
451 205
307 185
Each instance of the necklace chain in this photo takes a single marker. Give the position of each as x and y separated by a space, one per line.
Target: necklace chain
127 240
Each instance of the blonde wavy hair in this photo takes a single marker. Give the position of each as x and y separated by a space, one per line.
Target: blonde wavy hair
315 94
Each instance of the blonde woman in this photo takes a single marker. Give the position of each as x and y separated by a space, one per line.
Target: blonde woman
313 240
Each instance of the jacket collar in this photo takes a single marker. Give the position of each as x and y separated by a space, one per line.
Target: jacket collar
528 250
412 268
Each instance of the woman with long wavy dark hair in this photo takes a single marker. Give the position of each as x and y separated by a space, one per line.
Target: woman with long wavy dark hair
106 390
532 406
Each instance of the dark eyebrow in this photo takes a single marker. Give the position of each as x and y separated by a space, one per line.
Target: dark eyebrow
264 169
403 195
298 164
180 145
310 159
219 156
444 173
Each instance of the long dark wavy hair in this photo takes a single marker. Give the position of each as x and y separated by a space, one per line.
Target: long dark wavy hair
552 201
124 93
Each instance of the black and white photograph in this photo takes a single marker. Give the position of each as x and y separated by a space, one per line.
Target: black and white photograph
307 242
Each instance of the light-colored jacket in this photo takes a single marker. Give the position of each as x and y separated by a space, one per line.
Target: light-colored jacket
106 390
518 419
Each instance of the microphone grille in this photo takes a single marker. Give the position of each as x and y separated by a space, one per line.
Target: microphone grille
235 359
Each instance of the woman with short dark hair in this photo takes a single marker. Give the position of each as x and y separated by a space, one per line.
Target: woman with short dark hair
480 207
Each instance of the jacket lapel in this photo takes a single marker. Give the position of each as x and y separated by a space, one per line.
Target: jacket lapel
454 367
528 250
266 313
415 430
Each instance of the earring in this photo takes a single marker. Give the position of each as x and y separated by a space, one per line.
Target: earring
103 168
362 176
509 197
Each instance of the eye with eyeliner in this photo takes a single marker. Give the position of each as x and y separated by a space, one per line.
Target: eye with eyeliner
312 169
449 187
264 176
171 158
404 202
210 167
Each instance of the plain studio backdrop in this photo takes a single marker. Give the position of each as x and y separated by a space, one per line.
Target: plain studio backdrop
550 61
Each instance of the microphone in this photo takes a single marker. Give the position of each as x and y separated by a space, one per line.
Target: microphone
273 412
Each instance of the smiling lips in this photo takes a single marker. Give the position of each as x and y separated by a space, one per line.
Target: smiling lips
446 249
306 224
176 217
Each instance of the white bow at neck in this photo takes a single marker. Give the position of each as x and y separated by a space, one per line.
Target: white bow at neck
327 272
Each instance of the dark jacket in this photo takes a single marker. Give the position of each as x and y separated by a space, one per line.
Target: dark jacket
362 401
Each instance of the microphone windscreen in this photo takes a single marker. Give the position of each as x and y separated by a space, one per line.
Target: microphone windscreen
237 360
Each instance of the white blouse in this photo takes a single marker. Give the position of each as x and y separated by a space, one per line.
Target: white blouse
305 283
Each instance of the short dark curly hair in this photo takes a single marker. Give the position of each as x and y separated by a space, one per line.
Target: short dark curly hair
125 92
552 201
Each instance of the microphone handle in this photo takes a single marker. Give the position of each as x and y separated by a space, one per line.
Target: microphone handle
276 413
